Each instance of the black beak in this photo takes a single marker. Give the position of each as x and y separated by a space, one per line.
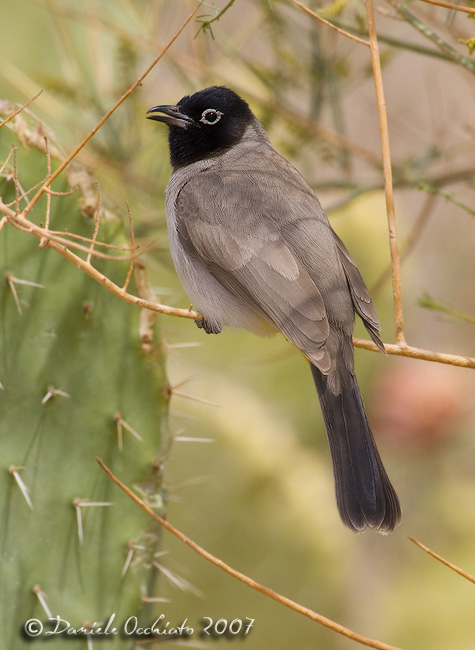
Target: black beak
171 116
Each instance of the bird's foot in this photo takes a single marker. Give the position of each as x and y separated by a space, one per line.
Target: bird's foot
208 327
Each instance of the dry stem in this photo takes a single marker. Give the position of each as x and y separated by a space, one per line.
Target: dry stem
329 24
449 5
454 567
20 109
43 235
417 353
388 179
266 591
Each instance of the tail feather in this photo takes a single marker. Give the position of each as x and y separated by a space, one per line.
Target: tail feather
364 494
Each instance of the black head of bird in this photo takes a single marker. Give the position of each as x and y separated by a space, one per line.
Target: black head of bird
204 124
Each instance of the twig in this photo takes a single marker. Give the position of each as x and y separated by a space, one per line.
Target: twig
97 220
395 42
63 234
388 180
450 5
12 149
417 353
431 190
83 143
206 24
318 618
133 247
22 223
428 302
16 182
46 236
435 38
454 567
19 110
48 193
329 24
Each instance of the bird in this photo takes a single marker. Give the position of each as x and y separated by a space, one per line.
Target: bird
254 249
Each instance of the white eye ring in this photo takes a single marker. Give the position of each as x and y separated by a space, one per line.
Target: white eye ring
218 114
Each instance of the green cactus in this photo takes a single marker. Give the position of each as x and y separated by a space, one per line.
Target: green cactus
74 376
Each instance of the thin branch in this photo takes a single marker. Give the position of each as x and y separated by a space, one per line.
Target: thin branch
25 225
450 5
417 353
48 194
83 143
97 220
25 193
428 302
133 247
454 567
395 42
51 192
431 190
16 182
433 36
46 236
12 149
388 180
62 234
206 24
329 24
318 618
19 110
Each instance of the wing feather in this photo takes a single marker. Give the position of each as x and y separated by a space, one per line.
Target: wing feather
250 258
362 300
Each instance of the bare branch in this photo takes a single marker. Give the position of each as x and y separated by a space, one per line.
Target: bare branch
450 5
97 218
388 179
132 243
329 24
454 567
19 110
20 222
266 591
417 353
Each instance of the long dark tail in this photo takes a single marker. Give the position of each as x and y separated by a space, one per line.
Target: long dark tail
364 494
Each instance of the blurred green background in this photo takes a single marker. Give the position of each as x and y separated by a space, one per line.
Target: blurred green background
255 485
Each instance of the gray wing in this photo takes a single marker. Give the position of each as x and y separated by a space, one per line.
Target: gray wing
362 301
238 239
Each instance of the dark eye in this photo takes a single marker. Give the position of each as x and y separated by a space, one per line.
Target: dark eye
211 116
